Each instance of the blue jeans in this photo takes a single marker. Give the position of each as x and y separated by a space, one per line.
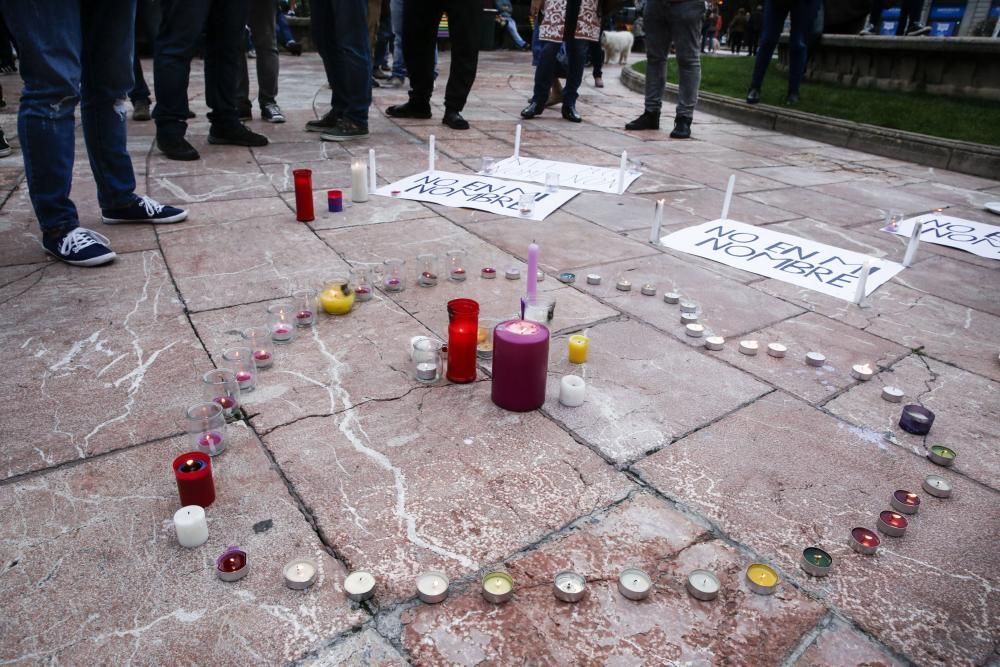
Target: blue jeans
396 16
281 29
511 26
803 15
71 54
340 32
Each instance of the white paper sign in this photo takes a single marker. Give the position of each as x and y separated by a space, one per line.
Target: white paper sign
479 192
571 175
975 237
784 257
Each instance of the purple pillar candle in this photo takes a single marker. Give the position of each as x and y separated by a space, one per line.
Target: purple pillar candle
520 364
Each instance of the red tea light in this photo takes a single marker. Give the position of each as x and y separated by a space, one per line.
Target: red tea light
891 523
362 293
905 502
232 565
225 402
864 541
488 272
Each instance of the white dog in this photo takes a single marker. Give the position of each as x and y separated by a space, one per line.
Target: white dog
617 45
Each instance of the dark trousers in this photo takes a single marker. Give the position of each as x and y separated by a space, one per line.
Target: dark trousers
420 26
596 55
735 42
576 53
909 15
147 23
182 24
340 32
803 16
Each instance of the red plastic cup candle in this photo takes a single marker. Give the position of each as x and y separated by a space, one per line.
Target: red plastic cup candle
520 365
891 523
303 195
905 502
463 328
232 565
194 479
864 541
334 201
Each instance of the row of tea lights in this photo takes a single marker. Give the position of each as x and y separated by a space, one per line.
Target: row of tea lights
892 522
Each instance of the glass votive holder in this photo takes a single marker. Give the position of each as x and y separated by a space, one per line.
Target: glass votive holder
526 204
393 279
240 361
427 271
304 301
221 388
540 308
259 340
489 166
426 355
281 320
456 265
363 287
337 296
892 219
551 182
206 426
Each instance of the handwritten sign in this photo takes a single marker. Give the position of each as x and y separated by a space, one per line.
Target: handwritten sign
571 175
479 192
975 237
791 259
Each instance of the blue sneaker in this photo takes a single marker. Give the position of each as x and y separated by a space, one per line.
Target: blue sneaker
80 247
143 209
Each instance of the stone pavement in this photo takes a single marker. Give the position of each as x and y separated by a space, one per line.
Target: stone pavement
681 458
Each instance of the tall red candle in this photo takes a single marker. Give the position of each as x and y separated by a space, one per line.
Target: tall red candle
194 479
304 195
463 330
520 364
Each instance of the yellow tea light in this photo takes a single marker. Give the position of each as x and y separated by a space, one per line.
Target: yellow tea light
498 587
762 579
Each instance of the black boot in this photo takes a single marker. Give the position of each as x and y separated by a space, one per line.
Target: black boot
649 120
753 96
682 128
532 110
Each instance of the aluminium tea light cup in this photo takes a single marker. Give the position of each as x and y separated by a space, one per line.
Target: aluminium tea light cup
891 523
749 347
593 279
916 419
694 330
488 272
498 587
671 297
566 277
815 562
623 285
359 585
815 359
702 585
893 394
942 456
776 350
512 273
432 587
904 502
715 343
864 541
863 372
232 565
762 579
937 486
689 307
569 586
648 289
300 573
540 275
634 584
689 318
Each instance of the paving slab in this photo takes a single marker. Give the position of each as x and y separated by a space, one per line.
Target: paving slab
605 628
840 645
374 211
365 649
707 204
634 404
166 604
802 478
695 168
800 177
617 213
210 187
959 282
104 360
876 195
398 504
810 202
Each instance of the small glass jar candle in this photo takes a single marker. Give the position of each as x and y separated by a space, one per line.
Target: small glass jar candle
240 361
427 360
363 285
305 307
488 165
281 319
427 270
552 182
206 427
526 204
498 587
815 562
393 279
259 340
337 296
222 388
569 586
456 265
540 308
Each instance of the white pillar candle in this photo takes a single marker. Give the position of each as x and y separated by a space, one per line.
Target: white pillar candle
911 247
430 153
861 291
654 234
372 179
571 391
359 181
191 526
729 196
517 141
621 172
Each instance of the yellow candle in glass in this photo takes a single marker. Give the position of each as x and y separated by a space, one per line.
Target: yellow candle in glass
334 300
578 346
762 575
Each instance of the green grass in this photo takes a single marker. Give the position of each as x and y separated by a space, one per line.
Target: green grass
946 117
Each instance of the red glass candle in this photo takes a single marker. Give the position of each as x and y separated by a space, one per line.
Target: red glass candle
463 326
864 541
304 195
520 365
905 502
194 479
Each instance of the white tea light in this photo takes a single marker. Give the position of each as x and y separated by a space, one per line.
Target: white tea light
569 586
191 526
572 389
512 273
815 359
634 584
893 394
863 372
649 289
671 297
748 347
694 330
624 285
776 350
703 585
689 307
300 573
359 585
937 486
715 343
432 587
593 279
689 318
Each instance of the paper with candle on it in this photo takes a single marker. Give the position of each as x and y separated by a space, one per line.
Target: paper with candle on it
571 175
975 237
494 195
791 259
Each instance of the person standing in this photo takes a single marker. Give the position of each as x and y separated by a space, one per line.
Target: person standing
340 33
708 32
754 26
398 74
737 29
574 23
678 22
74 52
420 25
505 17
803 17
147 20
182 24
261 20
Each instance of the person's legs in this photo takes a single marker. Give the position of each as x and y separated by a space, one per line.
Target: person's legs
352 93
281 30
803 16
146 23
420 23
260 18
511 26
596 54
774 20
181 24
223 53
545 72
463 26
684 25
322 22
398 62
576 52
657 48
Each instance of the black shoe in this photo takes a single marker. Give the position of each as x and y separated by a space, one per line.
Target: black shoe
246 113
753 96
190 114
454 120
792 100
345 131
140 110
80 247
408 110
682 128
235 135
5 148
532 110
379 74
325 124
649 120
570 114
294 48
176 148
